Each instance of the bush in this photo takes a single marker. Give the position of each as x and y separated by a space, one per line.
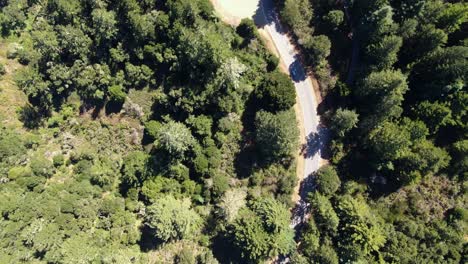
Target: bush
19 172
328 181
276 92
152 129
247 29
334 19
2 69
41 166
272 62
58 160
116 94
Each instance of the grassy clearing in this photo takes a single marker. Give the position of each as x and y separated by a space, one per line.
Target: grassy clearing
11 98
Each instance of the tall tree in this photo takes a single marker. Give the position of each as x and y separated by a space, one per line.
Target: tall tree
175 138
276 92
276 135
172 219
263 231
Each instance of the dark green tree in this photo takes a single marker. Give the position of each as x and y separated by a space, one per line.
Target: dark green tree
328 182
276 92
276 135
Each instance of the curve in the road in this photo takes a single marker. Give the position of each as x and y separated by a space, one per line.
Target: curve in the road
267 19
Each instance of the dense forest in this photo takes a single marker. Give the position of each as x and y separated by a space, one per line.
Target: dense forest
141 132
393 75
148 131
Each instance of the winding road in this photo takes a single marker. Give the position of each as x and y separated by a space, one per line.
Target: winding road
267 18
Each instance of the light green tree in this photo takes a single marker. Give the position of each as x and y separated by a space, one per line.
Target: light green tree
263 231
172 219
343 121
325 216
175 138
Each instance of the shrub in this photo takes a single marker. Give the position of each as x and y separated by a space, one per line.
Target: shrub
19 172
272 62
276 93
328 181
247 29
58 160
41 166
116 94
152 128
2 69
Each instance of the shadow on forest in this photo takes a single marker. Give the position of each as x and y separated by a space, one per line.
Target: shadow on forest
147 241
247 157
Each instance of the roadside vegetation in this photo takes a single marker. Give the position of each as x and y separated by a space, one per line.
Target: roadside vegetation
150 132
394 74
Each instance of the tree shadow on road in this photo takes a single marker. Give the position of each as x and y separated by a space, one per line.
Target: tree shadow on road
296 70
317 143
266 14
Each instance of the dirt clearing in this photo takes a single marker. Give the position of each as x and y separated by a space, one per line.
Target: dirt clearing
238 9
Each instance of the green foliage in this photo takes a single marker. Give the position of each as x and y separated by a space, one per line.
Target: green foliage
324 214
263 231
334 19
440 73
382 94
343 121
116 94
459 156
310 239
172 219
41 166
388 142
159 187
2 69
196 71
276 92
12 148
404 64
453 16
298 14
135 168
175 138
201 125
247 29
58 160
327 255
13 17
276 135
19 172
152 128
359 226
384 54
318 49
328 182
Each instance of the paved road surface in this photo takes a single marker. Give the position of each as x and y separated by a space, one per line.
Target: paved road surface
266 17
